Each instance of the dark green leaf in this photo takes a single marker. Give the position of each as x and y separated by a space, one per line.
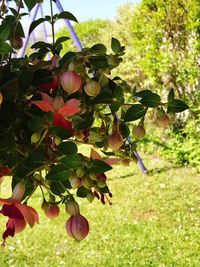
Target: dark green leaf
135 112
99 62
152 100
5 48
24 81
176 105
34 160
40 44
61 39
36 124
30 4
99 166
98 48
82 192
57 188
60 131
67 148
35 23
58 173
66 58
5 30
170 96
104 97
71 161
115 45
143 93
42 76
67 15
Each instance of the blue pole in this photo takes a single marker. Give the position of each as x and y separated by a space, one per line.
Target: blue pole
32 18
79 46
70 28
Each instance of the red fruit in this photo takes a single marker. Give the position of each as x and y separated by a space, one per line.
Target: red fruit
77 227
139 132
51 211
92 88
17 42
115 140
70 81
49 87
163 121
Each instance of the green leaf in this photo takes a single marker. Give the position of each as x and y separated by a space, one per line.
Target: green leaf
176 105
99 166
67 148
98 49
104 97
58 173
42 76
41 44
35 23
170 96
99 62
35 160
67 15
66 58
152 100
36 124
5 48
24 81
72 161
143 93
30 4
5 30
82 192
61 39
60 131
57 188
135 112
115 45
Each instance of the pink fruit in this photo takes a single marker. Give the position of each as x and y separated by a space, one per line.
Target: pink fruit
17 42
92 88
163 121
51 211
71 82
77 227
139 132
115 140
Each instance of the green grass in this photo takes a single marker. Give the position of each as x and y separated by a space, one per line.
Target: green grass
154 221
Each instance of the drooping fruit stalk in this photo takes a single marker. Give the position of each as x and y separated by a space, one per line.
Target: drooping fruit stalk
18 191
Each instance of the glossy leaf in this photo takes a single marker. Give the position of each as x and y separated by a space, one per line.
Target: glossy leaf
176 105
99 166
115 45
58 173
152 100
135 112
67 148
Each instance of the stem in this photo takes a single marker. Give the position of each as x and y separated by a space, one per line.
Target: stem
42 138
52 22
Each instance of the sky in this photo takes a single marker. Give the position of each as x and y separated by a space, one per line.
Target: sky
90 9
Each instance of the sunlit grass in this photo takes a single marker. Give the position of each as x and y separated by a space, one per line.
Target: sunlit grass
154 221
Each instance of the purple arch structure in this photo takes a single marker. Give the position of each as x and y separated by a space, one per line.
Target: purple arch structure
79 47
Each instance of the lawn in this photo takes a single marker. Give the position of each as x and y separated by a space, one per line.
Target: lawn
154 221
